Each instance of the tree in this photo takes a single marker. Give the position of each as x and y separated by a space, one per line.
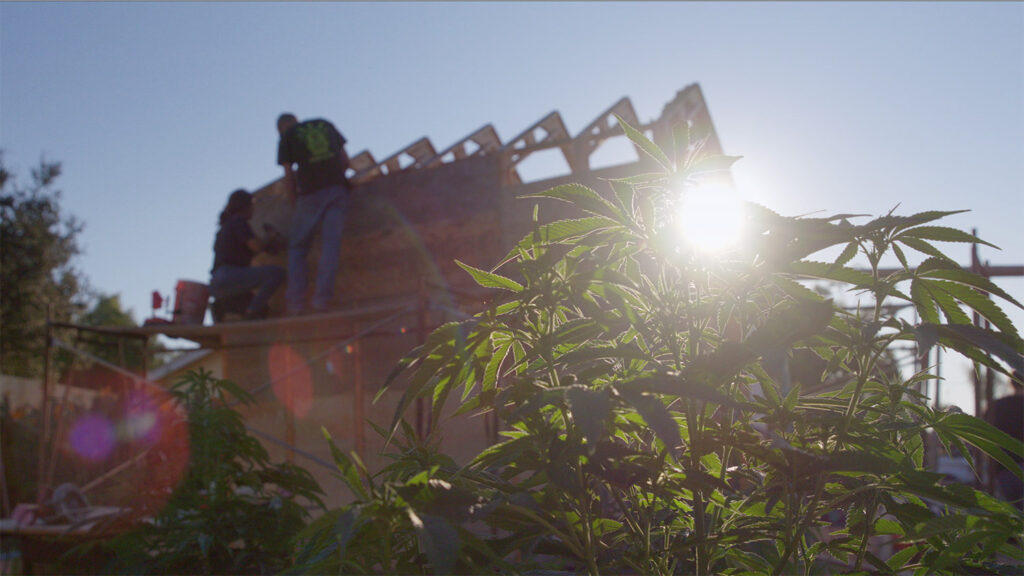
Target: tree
107 311
37 273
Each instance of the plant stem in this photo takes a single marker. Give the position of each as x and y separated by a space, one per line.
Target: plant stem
589 549
868 524
810 514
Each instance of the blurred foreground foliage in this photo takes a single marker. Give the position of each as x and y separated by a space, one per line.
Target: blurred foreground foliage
651 422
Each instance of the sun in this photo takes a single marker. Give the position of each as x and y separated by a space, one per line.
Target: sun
710 219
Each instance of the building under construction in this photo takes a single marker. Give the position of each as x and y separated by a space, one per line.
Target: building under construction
411 216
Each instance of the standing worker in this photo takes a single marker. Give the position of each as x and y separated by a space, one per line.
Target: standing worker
233 249
318 191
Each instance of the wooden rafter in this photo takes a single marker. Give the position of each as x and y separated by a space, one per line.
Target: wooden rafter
365 167
486 139
603 127
551 129
419 152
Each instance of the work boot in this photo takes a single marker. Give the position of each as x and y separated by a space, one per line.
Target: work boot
257 314
235 305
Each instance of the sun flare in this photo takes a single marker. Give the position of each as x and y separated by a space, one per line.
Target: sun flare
710 219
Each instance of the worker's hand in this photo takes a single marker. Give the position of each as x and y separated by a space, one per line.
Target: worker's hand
273 241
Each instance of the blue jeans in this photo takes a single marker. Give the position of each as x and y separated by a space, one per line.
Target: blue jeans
324 210
232 280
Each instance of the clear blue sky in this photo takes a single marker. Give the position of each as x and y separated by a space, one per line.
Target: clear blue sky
158 111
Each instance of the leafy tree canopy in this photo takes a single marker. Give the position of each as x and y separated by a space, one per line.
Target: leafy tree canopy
107 311
37 272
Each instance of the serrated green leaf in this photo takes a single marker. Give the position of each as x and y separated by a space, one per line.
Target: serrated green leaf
590 410
889 527
931 215
576 331
624 193
826 271
980 303
900 255
645 179
422 381
795 289
562 230
897 561
768 390
957 550
969 278
790 322
865 462
848 253
923 247
1004 346
944 234
987 438
439 539
657 416
491 371
582 197
713 163
690 383
923 302
645 144
491 280
789 403
949 306
347 468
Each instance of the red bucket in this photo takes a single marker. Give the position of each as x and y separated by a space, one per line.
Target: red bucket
190 300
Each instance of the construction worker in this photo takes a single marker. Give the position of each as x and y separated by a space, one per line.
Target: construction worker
232 277
319 192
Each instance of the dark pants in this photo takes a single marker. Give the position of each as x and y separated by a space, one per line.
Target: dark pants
229 281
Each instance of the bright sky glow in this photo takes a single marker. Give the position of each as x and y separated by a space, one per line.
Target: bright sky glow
710 218
159 110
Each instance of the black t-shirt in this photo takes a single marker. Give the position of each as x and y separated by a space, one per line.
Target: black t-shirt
231 248
313 145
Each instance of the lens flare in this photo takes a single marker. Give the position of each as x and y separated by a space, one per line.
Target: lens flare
336 362
146 429
93 437
165 462
292 379
141 421
710 218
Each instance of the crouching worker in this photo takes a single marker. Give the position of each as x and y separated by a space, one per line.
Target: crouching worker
233 281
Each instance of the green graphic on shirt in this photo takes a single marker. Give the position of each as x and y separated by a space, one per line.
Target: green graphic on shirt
316 139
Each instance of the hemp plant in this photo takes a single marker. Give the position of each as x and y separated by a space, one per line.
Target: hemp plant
652 423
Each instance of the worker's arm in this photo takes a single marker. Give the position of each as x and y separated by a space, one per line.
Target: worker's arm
255 244
344 158
271 242
342 154
289 183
